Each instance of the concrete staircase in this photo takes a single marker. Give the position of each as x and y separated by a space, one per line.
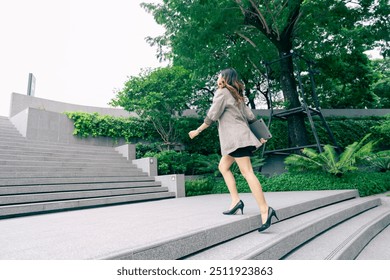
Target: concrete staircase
314 225
340 230
37 176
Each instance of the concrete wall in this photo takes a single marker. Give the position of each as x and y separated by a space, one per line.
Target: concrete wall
42 125
20 102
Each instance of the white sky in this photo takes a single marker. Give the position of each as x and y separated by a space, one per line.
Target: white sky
79 51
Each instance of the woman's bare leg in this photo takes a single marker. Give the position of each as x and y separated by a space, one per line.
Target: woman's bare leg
224 167
245 165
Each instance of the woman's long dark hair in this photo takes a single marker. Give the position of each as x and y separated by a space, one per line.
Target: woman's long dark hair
233 84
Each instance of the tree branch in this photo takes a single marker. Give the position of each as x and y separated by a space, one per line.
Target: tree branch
246 39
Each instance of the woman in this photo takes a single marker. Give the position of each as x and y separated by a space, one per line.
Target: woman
237 142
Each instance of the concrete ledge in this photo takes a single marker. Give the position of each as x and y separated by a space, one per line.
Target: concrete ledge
147 165
127 150
20 102
174 183
20 121
49 126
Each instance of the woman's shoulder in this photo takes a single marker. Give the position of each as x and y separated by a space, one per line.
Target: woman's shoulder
221 92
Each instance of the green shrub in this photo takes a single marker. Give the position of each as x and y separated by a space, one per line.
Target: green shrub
199 187
367 183
170 162
379 161
329 161
382 129
94 125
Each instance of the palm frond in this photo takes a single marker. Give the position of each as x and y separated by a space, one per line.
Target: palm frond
301 163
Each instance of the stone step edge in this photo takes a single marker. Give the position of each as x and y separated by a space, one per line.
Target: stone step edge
47 207
66 148
288 241
189 243
14 143
354 244
39 189
14 182
73 173
22 199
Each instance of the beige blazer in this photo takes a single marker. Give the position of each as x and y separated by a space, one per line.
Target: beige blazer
233 122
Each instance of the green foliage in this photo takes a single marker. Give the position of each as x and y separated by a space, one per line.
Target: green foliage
346 130
93 124
158 96
384 128
199 187
329 161
206 143
381 87
367 183
205 36
170 162
242 185
379 160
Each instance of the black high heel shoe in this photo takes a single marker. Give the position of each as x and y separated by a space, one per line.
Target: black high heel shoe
267 224
233 211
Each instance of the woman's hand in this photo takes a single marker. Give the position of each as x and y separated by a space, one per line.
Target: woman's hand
262 140
193 133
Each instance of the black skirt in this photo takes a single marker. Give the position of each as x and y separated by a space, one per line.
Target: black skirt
243 152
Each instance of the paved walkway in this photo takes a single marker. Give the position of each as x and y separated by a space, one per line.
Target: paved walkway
108 232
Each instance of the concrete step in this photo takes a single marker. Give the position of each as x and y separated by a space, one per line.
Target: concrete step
56 162
378 248
15 165
13 140
69 174
55 153
68 168
285 236
10 134
73 180
35 189
74 195
57 150
62 157
28 145
346 240
8 128
75 204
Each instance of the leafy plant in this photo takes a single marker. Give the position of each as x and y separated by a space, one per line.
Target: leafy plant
329 161
199 187
94 124
380 160
170 162
367 183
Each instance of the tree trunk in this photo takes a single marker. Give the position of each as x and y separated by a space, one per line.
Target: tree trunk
297 134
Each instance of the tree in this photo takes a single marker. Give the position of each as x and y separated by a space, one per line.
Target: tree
158 96
207 35
381 87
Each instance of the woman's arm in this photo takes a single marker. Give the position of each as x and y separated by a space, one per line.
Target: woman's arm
196 132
